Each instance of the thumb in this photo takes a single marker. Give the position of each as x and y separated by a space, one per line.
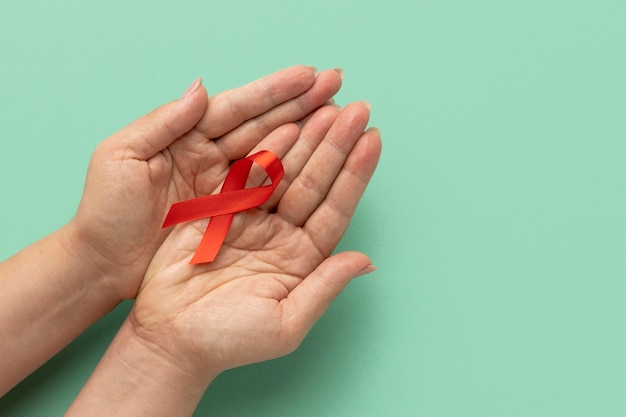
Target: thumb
308 301
150 134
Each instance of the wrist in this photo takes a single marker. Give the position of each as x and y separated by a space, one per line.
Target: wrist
160 362
102 273
162 348
139 378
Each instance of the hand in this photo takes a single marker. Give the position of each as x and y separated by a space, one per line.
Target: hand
178 151
274 276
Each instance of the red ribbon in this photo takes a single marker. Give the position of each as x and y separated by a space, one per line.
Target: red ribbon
233 198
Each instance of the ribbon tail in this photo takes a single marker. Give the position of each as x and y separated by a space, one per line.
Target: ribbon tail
212 239
222 207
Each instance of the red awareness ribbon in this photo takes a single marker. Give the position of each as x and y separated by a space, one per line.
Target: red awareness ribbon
233 198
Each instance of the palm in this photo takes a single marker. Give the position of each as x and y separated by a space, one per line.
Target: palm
244 306
245 284
146 167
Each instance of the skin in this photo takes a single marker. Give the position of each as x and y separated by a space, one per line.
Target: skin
160 160
271 281
54 289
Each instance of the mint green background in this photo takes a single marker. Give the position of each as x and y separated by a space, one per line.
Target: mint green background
497 216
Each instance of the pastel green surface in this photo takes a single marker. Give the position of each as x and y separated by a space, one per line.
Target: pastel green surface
497 216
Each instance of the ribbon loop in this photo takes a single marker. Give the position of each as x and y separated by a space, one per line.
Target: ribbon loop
233 198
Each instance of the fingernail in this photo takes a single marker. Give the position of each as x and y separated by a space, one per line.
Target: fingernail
314 69
193 87
368 269
339 71
367 104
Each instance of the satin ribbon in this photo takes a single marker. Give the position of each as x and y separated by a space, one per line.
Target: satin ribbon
233 198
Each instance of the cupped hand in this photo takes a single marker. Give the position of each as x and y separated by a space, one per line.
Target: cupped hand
275 275
178 151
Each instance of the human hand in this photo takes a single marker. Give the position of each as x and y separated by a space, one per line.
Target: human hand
177 152
274 276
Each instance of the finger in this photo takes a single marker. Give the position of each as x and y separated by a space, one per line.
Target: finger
243 139
308 117
229 109
150 134
278 142
327 224
308 301
238 142
311 134
311 185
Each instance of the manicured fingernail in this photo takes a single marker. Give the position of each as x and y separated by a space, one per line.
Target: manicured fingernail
339 71
193 87
368 269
